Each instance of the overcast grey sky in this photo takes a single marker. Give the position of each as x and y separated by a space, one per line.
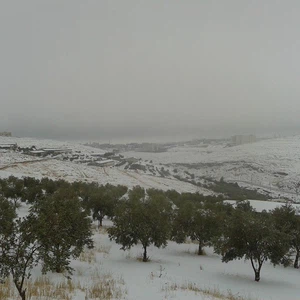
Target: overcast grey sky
105 68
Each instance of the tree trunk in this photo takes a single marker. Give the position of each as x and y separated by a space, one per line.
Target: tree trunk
57 254
145 258
100 219
200 250
22 293
255 269
58 269
296 263
257 275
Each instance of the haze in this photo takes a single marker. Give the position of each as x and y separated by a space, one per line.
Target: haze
109 69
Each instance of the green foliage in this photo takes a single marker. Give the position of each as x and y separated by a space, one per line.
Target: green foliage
12 188
253 236
234 191
104 199
7 215
19 252
137 193
197 222
58 226
63 229
287 221
142 218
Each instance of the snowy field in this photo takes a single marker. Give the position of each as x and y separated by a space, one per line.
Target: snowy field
69 171
174 272
272 165
45 143
19 165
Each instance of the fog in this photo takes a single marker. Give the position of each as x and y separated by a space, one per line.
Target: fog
144 69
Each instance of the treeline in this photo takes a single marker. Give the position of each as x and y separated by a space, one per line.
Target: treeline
234 191
230 190
240 232
57 225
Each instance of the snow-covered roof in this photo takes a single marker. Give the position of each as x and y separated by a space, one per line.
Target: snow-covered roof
37 151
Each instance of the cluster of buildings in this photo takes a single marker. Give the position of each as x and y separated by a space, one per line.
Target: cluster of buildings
138 147
8 146
48 151
106 159
5 133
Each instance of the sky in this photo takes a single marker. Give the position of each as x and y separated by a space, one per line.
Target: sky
107 69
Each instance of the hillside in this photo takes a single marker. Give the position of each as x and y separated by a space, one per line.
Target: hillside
174 272
19 164
270 166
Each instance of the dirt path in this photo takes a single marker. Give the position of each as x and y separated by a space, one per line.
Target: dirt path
104 169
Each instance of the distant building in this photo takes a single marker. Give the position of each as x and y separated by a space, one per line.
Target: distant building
56 151
98 155
46 151
5 133
103 163
39 153
8 146
242 139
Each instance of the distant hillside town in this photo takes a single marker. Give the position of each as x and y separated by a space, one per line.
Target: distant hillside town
5 133
102 159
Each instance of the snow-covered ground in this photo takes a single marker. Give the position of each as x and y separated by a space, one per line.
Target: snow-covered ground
69 171
272 165
265 205
174 272
45 143
17 164
178 265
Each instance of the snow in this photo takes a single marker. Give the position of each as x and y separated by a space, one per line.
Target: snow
178 265
19 165
72 172
259 205
253 165
271 166
171 269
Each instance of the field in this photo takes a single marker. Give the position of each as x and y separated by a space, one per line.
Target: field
174 272
271 166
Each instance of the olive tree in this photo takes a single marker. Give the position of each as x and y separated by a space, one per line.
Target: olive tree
251 235
197 222
64 228
19 252
288 221
142 218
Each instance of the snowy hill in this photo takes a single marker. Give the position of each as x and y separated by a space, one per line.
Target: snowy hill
174 272
19 164
271 165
